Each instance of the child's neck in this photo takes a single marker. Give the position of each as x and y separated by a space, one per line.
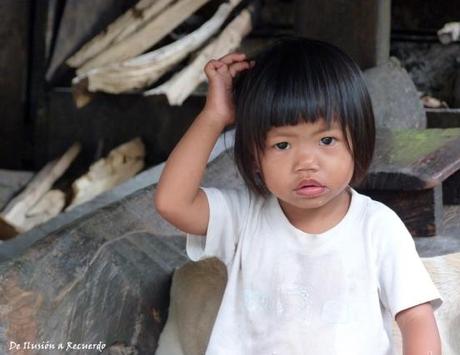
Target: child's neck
321 219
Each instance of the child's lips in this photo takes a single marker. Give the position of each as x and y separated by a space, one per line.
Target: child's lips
310 188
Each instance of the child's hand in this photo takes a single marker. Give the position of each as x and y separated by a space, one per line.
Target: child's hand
220 73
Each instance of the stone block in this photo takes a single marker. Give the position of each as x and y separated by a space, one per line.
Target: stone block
395 99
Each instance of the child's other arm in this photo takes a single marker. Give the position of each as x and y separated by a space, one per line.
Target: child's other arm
178 197
419 331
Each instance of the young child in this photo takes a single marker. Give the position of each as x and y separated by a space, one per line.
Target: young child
313 266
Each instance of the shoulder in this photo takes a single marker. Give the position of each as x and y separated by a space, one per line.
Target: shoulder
238 201
385 228
236 196
376 214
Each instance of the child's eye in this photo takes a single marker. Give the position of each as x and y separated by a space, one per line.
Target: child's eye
282 145
327 140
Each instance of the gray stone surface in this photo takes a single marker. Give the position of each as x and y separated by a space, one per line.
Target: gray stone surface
394 97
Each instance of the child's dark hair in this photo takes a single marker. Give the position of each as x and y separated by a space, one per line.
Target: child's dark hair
299 79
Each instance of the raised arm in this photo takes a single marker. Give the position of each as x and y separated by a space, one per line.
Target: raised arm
178 197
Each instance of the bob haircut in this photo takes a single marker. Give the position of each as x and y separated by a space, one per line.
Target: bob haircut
301 80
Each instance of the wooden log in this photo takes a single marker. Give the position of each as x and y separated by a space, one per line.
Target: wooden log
433 102
123 27
121 164
144 70
147 36
182 84
449 33
49 206
16 210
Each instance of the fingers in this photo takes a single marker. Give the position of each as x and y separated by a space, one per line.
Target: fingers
212 66
238 67
232 63
232 57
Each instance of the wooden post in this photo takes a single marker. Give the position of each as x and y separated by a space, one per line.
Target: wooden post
361 27
14 37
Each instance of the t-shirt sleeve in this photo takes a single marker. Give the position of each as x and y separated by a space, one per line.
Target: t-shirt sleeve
404 281
227 211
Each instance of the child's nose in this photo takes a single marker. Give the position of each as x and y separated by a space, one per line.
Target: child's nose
306 160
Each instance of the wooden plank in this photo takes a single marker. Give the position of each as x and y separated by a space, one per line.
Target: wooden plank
413 159
421 211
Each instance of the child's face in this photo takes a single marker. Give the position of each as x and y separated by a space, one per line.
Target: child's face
307 165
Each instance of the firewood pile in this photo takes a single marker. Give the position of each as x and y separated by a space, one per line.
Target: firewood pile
118 61
156 47
39 201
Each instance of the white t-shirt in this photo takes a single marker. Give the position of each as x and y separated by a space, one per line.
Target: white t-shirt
293 293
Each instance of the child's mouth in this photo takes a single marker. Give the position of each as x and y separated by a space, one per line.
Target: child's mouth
310 188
